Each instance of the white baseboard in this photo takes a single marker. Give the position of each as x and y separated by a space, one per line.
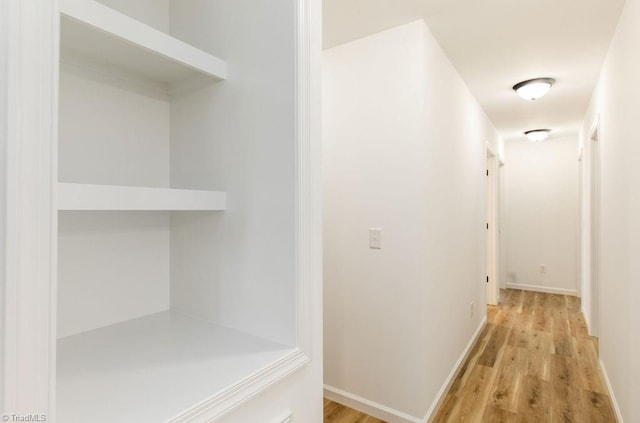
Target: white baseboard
371 408
390 415
547 289
454 372
614 402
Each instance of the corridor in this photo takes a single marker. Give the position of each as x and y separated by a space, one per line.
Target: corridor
533 362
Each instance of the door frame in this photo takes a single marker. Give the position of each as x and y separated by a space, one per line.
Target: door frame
581 221
28 222
492 231
594 226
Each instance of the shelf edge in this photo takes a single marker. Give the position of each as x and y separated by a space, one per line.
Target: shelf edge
87 197
234 396
132 31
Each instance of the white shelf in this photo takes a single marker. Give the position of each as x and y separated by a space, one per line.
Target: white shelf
92 30
153 368
110 197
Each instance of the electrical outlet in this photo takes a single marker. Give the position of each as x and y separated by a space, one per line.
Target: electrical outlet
471 309
375 238
543 268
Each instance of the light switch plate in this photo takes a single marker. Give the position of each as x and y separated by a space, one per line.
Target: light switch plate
375 238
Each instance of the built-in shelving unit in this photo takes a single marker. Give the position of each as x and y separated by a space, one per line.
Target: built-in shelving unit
92 30
109 197
168 304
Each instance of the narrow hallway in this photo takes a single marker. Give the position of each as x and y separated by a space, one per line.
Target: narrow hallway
534 361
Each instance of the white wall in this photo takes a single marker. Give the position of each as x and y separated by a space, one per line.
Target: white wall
540 216
244 256
405 151
113 136
616 102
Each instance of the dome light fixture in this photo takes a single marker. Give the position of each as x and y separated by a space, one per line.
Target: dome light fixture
533 89
537 135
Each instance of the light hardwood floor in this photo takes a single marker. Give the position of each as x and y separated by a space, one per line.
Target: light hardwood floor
533 362
338 413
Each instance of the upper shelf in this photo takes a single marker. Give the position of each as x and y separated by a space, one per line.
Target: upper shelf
101 34
110 197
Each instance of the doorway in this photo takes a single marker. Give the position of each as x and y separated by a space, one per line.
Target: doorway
492 227
594 241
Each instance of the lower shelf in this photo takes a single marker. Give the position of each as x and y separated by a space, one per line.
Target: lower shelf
153 368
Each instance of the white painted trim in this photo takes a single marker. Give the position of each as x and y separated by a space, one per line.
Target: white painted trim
4 118
366 406
453 373
614 402
241 392
492 235
308 173
595 224
547 289
29 218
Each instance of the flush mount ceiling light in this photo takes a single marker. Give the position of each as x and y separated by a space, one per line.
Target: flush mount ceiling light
537 135
533 89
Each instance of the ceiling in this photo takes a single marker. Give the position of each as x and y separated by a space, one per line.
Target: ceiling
496 43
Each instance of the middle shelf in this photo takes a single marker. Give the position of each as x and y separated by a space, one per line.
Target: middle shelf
73 196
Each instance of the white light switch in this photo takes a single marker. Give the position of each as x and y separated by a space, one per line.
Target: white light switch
375 238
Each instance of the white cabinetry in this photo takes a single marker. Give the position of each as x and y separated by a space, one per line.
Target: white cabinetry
179 274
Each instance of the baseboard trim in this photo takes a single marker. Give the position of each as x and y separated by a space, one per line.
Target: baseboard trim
371 408
390 415
614 402
454 372
547 289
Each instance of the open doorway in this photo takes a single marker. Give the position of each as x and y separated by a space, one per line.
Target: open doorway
492 227
594 207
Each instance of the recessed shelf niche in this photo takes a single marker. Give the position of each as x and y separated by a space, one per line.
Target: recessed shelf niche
176 250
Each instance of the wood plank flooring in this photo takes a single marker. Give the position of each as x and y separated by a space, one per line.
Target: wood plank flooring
533 362
338 413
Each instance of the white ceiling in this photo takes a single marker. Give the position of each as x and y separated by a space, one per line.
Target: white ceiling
496 43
